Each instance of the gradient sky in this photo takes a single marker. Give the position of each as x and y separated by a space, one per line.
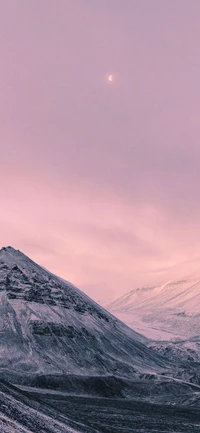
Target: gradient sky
100 182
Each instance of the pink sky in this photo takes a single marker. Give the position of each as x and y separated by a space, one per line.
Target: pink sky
100 182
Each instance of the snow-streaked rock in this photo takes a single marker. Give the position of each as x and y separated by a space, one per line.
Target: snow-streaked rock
48 326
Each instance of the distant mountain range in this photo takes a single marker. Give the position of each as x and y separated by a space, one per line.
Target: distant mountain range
169 315
164 312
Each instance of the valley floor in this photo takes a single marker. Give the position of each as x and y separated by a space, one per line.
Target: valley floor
126 416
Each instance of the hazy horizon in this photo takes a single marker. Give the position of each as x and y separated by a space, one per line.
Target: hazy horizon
99 180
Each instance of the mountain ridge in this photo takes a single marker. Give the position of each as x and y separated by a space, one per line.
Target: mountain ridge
161 312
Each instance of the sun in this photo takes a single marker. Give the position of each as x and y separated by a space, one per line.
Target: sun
110 78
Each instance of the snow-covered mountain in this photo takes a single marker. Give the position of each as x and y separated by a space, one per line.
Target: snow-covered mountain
163 312
59 350
48 326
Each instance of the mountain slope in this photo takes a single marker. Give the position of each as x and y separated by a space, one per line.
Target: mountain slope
19 413
171 310
47 326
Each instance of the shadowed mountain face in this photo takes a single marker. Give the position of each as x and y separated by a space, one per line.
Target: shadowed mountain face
47 326
23 412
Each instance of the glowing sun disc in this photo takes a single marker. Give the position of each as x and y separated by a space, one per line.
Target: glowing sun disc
110 78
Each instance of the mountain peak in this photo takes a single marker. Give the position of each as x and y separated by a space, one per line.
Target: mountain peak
8 248
9 256
9 251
